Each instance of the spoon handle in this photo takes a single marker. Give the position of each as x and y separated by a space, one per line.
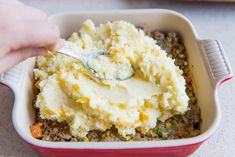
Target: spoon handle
78 56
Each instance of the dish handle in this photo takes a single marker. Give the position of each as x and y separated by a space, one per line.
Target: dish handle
216 61
13 77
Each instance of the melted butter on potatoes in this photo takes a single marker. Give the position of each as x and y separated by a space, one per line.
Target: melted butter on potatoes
68 92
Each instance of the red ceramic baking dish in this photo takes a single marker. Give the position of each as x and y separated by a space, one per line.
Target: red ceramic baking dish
209 70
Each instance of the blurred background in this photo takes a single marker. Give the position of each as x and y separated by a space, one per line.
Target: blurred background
213 20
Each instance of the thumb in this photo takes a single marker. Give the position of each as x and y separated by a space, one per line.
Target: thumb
18 56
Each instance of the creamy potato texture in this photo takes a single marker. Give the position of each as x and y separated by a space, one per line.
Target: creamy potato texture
68 92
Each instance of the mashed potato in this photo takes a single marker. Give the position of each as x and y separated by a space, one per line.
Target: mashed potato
105 68
68 92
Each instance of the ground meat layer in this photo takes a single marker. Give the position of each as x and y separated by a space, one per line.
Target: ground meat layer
176 127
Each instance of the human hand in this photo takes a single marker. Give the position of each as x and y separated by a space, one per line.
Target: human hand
24 32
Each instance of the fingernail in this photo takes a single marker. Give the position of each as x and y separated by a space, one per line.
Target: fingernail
56 47
59 45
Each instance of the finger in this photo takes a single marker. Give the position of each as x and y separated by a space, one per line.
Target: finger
57 46
22 13
30 35
37 34
18 56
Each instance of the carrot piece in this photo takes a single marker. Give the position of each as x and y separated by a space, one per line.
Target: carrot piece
36 131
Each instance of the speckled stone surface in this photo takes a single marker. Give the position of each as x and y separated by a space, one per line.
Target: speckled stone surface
213 21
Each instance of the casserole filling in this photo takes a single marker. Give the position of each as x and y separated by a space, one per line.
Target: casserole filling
150 105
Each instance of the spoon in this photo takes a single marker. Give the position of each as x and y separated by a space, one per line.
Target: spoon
88 59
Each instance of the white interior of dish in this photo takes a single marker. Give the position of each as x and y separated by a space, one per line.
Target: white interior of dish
23 112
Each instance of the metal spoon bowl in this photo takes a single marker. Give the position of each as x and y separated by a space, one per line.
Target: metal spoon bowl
85 59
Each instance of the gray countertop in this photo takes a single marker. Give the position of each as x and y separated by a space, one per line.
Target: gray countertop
214 21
